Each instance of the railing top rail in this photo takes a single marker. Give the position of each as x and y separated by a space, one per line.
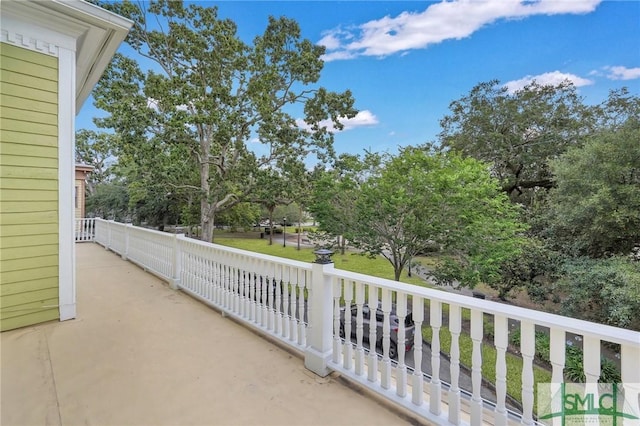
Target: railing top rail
137 228
278 260
572 325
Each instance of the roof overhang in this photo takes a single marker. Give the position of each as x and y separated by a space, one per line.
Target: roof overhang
86 168
97 32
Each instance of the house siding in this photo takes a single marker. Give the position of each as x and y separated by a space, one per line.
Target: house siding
29 250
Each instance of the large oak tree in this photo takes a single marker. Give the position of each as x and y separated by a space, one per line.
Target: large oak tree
517 132
211 93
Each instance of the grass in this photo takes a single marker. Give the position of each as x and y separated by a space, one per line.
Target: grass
489 355
377 267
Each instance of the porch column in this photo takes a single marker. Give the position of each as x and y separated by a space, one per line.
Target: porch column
320 329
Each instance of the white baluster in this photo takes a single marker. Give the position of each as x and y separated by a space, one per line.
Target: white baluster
476 366
372 372
386 336
243 290
501 339
286 285
239 285
630 374
302 330
255 293
197 271
348 321
216 271
557 350
337 342
435 398
455 327
226 283
359 355
205 274
293 327
401 369
527 348
235 274
264 283
418 382
277 306
591 350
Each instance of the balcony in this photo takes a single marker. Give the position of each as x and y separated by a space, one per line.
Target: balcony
141 352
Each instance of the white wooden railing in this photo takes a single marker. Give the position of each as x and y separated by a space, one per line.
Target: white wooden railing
300 305
84 230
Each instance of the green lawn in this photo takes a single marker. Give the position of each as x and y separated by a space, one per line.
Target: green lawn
489 355
378 267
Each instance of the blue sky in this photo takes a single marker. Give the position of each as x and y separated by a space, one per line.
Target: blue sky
406 61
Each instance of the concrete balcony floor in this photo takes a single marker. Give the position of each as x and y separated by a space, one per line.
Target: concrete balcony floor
139 353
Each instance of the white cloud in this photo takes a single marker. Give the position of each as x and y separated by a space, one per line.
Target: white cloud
622 73
547 79
361 119
447 20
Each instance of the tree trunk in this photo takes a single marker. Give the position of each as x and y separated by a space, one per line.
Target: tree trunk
299 227
206 207
271 209
397 271
207 223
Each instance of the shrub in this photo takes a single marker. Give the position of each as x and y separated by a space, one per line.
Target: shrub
602 290
574 368
543 343
573 365
574 359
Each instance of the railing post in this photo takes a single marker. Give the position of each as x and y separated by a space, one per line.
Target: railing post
177 262
108 245
320 331
125 250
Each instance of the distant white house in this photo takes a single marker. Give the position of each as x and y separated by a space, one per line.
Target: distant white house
52 53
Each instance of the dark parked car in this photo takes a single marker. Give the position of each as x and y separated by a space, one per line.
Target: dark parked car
394 325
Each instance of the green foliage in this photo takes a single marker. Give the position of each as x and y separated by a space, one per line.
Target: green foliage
109 201
517 133
209 93
243 215
602 290
574 368
489 356
534 268
609 372
377 267
335 192
421 198
304 229
594 209
95 149
573 365
543 344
